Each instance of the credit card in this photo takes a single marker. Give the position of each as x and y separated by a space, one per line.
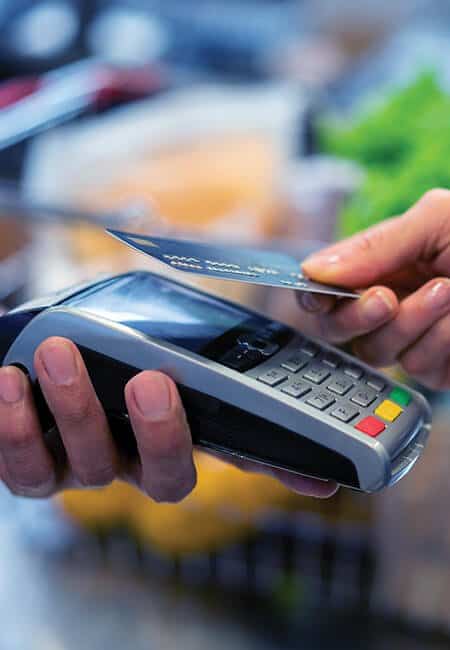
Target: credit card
229 262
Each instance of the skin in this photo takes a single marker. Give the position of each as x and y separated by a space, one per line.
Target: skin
165 470
404 315
402 269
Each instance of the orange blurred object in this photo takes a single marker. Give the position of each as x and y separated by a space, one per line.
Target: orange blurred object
223 187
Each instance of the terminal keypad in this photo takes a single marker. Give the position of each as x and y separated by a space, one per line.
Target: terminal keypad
326 382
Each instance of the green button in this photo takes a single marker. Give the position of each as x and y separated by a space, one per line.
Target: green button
400 396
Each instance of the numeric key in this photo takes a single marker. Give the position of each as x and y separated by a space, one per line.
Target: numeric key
321 400
273 377
296 363
345 412
340 385
364 397
317 373
353 371
295 388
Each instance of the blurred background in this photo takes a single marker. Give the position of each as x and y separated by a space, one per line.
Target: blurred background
280 123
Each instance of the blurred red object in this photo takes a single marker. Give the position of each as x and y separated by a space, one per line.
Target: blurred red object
17 89
31 105
117 85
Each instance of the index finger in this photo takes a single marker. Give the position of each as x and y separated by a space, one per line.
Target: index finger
386 248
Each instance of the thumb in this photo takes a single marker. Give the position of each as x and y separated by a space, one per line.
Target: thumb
385 248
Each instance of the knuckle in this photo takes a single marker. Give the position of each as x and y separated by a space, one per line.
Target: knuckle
15 439
169 447
100 476
172 450
369 241
75 414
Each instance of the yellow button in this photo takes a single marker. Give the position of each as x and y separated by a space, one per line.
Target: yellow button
388 410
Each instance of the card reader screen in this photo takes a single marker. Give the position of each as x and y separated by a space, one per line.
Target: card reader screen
161 309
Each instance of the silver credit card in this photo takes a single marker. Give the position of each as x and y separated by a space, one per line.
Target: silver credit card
253 265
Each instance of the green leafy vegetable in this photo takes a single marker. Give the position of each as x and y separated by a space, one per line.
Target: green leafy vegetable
404 145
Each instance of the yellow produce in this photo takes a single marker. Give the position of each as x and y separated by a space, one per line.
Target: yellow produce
104 508
225 505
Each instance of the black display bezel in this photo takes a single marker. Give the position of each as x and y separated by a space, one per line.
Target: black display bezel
258 326
215 349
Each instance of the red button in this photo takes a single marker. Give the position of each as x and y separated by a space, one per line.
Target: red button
370 425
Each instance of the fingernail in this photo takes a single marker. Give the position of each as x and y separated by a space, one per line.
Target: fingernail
310 302
152 397
377 307
12 388
439 294
59 363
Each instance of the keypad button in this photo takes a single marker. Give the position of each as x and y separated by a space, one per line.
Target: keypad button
364 397
388 410
296 362
340 385
273 377
331 360
320 400
345 412
376 383
400 397
317 373
311 349
353 371
296 388
371 426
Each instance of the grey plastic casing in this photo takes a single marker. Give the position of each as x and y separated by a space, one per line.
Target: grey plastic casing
379 461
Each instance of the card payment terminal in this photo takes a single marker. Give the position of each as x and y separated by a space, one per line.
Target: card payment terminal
252 387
